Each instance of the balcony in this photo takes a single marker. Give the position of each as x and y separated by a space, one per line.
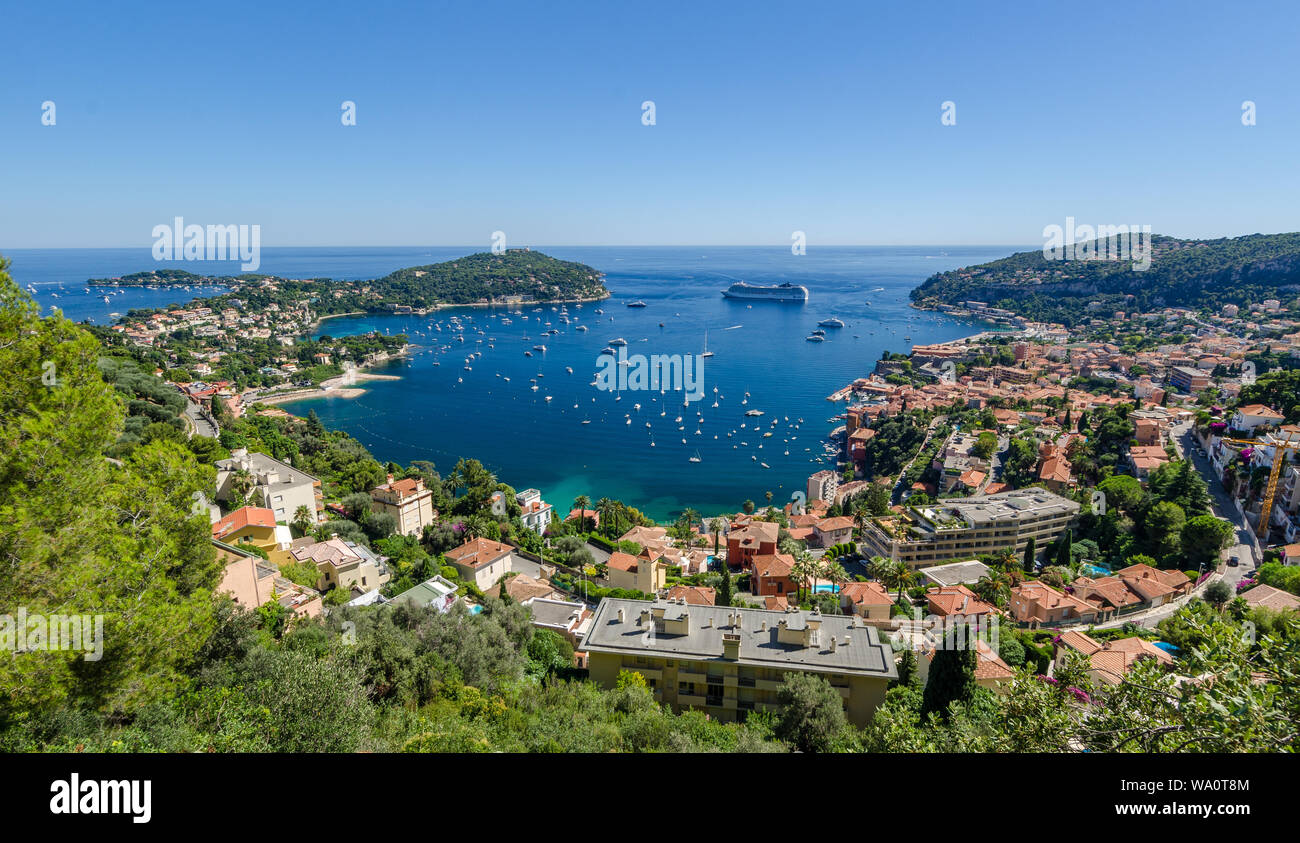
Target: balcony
691 699
645 670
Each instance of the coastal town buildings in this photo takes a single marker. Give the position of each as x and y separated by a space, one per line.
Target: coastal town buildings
961 527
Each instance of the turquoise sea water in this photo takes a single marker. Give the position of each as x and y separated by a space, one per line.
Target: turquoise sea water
442 412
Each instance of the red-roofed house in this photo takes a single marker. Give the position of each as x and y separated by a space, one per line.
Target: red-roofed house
1036 603
694 595
1252 416
772 574
956 600
990 671
867 599
758 537
832 531
408 501
483 561
1112 660
249 524
637 573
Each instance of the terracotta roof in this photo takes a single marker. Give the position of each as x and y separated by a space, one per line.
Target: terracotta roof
522 587
695 595
478 552
773 565
403 488
841 522
1260 410
1078 641
1271 598
621 561
869 593
247 516
756 532
948 600
989 665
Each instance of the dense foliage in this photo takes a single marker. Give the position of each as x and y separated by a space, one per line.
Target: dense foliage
1183 273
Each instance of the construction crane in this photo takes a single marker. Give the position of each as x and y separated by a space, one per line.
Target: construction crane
1284 443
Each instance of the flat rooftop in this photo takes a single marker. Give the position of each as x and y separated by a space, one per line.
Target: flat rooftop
865 654
956 573
1003 507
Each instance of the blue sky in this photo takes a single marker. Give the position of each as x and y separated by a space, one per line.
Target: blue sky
526 118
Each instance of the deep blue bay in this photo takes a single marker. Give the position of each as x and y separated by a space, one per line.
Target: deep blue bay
442 412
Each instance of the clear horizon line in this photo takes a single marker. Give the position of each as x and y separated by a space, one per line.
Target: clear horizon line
6 249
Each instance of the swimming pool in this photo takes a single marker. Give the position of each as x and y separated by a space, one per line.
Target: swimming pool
1167 647
826 588
1095 571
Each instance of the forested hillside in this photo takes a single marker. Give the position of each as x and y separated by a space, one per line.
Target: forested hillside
1183 273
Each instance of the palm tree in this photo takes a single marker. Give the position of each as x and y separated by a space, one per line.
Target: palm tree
582 503
303 518
605 509
861 512
715 527
835 572
1006 559
994 588
692 518
241 484
804 571
893 573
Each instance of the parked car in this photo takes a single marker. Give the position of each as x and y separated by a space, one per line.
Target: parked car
1233 561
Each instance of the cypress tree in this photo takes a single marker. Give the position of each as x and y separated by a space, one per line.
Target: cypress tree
724 587
1063 557
1030 549
951 679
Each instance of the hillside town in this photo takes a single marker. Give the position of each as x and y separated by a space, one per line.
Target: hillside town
1073 494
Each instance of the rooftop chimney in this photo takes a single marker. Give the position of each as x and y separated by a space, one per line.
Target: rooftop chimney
832 643
730 646
621 616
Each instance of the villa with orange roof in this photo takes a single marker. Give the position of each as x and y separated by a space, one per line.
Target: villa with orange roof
408 501
772 574
990 670
1035 603
1251 416
483 561
832 531
1112 660
957 601
694 595
253 525
867 599
757 538
1131 587
647 573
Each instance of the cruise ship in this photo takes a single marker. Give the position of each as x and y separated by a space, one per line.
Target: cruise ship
786 292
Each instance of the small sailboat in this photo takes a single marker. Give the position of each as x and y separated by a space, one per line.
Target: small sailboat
696 457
